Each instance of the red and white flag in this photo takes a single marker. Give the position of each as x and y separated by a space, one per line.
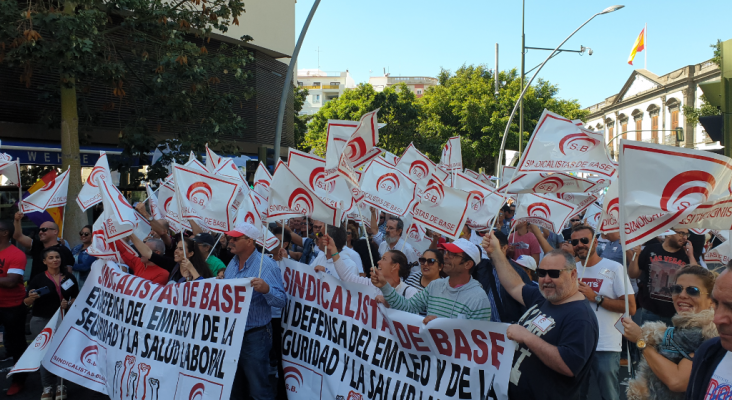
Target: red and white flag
270 242
558 145
483 201
387 188
212 159
196 194
553 182
391 158
546 211
248 211
169 207
415 164
289 197
471 174
228 169
417 237
337 134
51 195
581 201
610 218
593 216
678 187
262 181
360 148
119 216
442 209
720 254
35 352
10 169
152 203
310 169
90 193
452 155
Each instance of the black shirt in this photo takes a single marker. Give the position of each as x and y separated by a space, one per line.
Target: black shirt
505 308
46 305
36 252
573 328
658 270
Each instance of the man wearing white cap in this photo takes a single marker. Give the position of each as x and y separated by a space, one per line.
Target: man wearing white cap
268 293
459 296
528 264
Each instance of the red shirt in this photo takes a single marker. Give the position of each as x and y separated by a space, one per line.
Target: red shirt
12 261
137 267
528 242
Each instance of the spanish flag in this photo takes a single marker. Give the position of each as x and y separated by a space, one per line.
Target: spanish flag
638 46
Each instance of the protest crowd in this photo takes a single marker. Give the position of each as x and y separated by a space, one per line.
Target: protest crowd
367 275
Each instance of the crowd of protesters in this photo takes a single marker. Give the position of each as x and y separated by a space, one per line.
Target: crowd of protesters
563 294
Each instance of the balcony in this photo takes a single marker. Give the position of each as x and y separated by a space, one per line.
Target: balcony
413 80
336 87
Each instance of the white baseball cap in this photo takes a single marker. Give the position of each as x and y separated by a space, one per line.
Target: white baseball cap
527 262
463 246
245 229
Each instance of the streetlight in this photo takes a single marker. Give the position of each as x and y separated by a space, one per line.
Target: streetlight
523 91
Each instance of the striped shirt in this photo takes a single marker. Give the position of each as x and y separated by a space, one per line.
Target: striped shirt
442 300
260 310
415 280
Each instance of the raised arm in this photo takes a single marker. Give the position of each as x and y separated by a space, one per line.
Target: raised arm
540 238
343 272
510 280
18 235
141 247
416 304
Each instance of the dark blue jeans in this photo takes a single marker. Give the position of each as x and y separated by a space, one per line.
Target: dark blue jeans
252 374
604 371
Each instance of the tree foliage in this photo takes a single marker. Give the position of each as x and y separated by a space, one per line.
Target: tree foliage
463 104
301 121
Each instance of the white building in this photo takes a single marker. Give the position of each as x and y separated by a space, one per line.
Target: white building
417 84
650 107
323 86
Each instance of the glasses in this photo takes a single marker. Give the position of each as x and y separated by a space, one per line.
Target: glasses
47 229
682 234
423 260
349 233
692 291
575 242
553 273
84 233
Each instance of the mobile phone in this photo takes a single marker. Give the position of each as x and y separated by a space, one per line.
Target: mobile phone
43 291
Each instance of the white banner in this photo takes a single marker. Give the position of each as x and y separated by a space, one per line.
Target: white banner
31 359
129 338
337 343
52 194
546 211
387 188
558 145
89 194
442 209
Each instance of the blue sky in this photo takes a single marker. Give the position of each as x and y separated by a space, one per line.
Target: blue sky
410 37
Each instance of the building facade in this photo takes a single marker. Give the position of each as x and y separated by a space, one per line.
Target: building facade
417 84
322 86
649 108
271 23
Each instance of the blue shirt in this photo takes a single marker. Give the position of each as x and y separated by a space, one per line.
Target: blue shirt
260 310
83 259
612 251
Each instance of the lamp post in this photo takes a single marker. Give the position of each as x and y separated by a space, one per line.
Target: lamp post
528 84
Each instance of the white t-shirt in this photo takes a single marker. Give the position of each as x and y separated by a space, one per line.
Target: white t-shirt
408 251
606 278
354 256
721 382
330 268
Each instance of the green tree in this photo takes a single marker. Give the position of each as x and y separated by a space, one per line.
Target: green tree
301 121
705 109
151 55
398 106
464 104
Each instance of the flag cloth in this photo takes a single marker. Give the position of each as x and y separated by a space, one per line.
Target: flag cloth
638 46
120 219
483 201
90 194
289 197
262 181
546 211
442 209
51 195
452 156
310 169
360 148
31 359
152 202
387 188
10 169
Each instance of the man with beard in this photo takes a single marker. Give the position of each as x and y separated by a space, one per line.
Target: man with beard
557 335
603 282
659 260
393 241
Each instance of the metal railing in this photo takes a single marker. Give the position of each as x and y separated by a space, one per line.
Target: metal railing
331 86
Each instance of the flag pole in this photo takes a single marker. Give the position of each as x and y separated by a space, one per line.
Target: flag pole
621 223
264 242
214 246
368 241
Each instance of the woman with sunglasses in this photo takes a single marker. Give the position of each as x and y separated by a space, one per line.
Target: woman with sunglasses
47 292
83 263
665 368
430 265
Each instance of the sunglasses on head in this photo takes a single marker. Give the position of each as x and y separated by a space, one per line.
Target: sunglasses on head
553 273
575 242
84 233
46 229
692 291
423 260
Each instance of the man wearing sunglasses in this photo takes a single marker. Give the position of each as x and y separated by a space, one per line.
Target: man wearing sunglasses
47 238
558 334
567 232
602 281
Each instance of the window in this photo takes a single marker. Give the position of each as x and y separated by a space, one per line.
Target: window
674 119
654 128
638 129
419 91
299 83
317 98
336 84
316 84
624 128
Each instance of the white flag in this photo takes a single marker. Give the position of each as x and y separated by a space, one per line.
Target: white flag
610 218
580 200
99 247
484 201
31 359
119 216
678 187
90 193
10 169
228 169
553 182
262 181
442 209
51 195
415 164
558 145
270 242
387 188
360 148
720 254
546 211
310 169
452 155
290 198
337 134
593 216
471 174
152 202
196 191
417 237
212 159
248 211
391 158
169 207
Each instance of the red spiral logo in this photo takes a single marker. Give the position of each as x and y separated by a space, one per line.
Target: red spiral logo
475 200
48 186
88 355
43 339
356 149
613 207
317 180
294 374
166 205
539 210
263 183
96 172
197 391
414 233
419 170
685 189
578 142
199 193
301 202
433 194
387 183
123 201
249 218
549 185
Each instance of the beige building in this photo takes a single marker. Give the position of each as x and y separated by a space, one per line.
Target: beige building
271 23
322 86
650 107
417 84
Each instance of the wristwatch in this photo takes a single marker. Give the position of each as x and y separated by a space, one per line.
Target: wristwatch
641 344
599 299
